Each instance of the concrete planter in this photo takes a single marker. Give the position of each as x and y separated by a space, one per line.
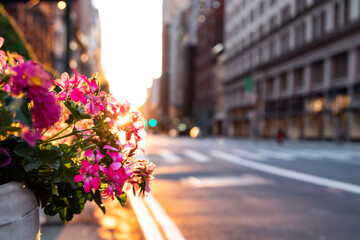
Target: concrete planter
19 213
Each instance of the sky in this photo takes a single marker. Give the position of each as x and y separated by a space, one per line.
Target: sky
131 39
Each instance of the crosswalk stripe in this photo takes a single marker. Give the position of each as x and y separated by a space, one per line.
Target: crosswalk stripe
276 154
169 156
250 155
348 187
196 156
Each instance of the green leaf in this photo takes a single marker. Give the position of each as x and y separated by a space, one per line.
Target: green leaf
5 118
32 165
20 107
57 89
77 111
23 150
97 200
122 198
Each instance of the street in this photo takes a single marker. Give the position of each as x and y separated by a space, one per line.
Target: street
210 189
214 188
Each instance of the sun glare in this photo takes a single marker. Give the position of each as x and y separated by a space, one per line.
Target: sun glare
131 35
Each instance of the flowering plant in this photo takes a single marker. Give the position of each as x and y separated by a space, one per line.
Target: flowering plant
66 140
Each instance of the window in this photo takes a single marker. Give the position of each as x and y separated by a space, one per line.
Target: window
300 6
261 8
272 2
319 25
340 62
317 72
285 42
272 48
252 16
336 15
346 11
269 86
298 78
283 82
300 34
261 54
273 22
285 13
322 23
262 30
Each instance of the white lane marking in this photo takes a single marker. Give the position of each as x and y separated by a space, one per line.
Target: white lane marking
224 181
276 154
147 223
348 187
169 156
168 226
303 154
195 155
250 155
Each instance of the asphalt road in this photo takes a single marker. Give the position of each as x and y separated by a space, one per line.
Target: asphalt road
235 189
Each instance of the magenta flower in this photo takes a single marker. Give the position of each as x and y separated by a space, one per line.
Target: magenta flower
89 174
2 54
116 180
72 87
90 154
46 110
30 78
4 158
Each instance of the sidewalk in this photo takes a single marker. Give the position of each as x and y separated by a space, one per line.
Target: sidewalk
92 224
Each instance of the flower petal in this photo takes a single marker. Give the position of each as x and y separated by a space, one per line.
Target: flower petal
87 185
95 181
85 164
115 165
79 178
108 147
94 169
89 153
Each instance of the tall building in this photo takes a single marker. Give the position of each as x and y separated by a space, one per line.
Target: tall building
292 65
206 81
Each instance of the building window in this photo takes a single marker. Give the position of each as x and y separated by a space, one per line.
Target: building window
273 22
269 86
272 49
298 78
285 42
262 30
340 62
319 25
252 16
346 11
283 83
285 14
300 6
261 53
261 8
317 72
300 34
273 2
322 23
336 15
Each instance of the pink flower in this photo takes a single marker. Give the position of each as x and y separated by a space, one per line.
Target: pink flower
72 87
5 158
89 174
2 54
90 154
116 180
30 78
46 110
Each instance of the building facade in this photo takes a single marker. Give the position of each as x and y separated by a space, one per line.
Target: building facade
208 48
302 58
